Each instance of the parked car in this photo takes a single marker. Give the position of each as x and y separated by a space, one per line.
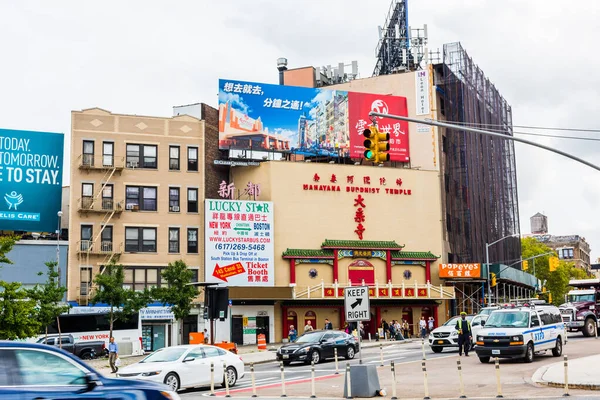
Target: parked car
446 336
317 346
86 350
31 371
488 310
186 366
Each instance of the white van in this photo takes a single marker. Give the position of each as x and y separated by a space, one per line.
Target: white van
520 332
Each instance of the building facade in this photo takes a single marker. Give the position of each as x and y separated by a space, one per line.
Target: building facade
570 248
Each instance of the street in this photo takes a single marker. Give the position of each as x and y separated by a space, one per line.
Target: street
479 379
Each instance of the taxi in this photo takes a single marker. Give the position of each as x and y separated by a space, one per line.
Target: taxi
520 332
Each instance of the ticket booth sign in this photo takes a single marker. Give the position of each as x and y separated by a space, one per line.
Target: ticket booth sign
460 270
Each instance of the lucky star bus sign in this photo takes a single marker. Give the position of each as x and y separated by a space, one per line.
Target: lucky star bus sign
239 242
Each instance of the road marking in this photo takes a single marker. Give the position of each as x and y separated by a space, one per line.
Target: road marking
387 359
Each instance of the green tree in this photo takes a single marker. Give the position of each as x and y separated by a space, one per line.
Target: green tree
123 303
179 294
48 298
6 245
17 312
557 282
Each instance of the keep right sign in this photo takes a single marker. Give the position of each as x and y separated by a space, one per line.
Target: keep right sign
356 303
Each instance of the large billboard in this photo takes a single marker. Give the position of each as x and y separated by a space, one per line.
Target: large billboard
309 121
30 180
238 243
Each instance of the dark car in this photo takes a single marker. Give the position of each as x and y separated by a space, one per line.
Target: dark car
86 350
34 371
317 346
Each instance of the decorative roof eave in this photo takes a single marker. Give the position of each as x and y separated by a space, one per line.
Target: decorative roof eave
361 245
308 254
414 255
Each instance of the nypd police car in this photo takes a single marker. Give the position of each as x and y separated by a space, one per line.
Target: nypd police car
520 332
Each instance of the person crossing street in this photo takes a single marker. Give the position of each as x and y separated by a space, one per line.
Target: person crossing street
465 335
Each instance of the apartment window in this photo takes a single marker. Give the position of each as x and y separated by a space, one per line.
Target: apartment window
106 244
141 156
85 281
192 159
174 158
107 197
86 237
173 240
174 199
140 240
88 153
108 154
192 242
141 198
140 278
192 205
87 195
567 254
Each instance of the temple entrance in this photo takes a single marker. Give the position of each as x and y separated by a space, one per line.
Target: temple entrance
359 271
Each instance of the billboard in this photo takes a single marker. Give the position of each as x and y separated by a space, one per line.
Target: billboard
30 180
309 121
460 270
238 243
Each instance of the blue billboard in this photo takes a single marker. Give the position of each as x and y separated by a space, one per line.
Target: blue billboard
30 180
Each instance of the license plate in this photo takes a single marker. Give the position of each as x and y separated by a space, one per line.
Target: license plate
440 342
285 355
495 352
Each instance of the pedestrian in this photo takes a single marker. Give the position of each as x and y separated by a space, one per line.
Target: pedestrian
406 328
308 327
347 328
328 324
423 327
113 354
206 336
292 334
385 328
430 324
464 334
361 329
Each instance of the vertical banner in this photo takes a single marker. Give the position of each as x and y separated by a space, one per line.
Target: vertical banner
422 92
360 105
239 243
30 180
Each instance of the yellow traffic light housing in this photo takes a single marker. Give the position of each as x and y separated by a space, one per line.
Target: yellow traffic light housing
525 265
493 280
553 263
376 144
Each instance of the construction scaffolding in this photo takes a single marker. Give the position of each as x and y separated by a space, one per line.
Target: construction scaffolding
480 176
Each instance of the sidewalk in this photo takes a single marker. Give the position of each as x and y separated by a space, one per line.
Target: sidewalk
583 373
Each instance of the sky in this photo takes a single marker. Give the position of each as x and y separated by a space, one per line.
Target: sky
143 57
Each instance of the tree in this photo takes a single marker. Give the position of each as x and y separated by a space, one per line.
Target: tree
48 298
6 245
17 312
179 294
122 302
557 282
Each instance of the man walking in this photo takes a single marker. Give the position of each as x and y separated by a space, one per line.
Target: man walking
328 324
113 354
464 334
423 327
308 327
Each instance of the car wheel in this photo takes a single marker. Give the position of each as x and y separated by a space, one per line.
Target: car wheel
172 380
588 328
315 357
436 349
350 353
86 356
557 350
231 375
529 353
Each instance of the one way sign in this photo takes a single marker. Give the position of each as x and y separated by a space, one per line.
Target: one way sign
356 303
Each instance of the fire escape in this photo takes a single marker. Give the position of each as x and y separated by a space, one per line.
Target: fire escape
99 247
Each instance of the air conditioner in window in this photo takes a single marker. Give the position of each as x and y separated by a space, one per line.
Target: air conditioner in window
174 209
132 164
129 206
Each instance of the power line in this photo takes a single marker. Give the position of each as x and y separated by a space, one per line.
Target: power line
527 127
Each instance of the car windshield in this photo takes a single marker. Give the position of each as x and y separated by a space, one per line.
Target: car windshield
309 338
510 319
581 297
165 355
454 320
486 311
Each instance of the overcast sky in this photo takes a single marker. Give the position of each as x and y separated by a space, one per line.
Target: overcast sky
143 57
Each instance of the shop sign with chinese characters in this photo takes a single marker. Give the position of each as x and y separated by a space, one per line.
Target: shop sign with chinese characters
227 190
460 270
357 184
239 242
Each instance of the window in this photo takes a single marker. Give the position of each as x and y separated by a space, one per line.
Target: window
41 368
174 158
87 195
88 153
86 281
141 156
196 353
192 200
107 197
174 199
140 197
141 240
107 239
192 245
546 318
567 253
86 237
535 321
108 154
192 159
140 278
173 240
211 352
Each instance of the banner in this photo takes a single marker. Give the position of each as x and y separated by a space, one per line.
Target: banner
306 121
30 180
239 243
460 270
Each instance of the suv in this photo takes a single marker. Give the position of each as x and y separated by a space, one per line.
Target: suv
446 336
520 332
581 312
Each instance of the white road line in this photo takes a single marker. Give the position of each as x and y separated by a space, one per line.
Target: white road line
386 360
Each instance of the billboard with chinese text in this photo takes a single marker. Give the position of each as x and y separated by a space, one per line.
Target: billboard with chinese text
30 180
308 121
460 270
238 244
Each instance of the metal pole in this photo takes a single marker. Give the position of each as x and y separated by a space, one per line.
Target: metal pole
487 265
337 369
253 380
226 379
499 386
359 346
460 380
348 383
424 367
381 353
312 380
212 378
282 381
566 394
394 397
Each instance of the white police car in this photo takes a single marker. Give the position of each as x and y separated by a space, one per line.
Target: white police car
520 332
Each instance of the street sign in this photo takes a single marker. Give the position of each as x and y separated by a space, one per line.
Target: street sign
356 303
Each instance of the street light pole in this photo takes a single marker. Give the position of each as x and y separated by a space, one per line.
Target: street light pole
59 214
487 262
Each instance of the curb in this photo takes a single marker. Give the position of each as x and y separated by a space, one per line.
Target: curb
538 377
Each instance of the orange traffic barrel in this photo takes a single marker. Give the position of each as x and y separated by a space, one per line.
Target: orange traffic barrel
262 342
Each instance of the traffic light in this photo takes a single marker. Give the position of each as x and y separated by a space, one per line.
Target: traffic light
525 265
493 280
550 298
376 144
553 263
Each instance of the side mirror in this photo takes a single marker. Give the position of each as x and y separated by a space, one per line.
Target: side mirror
482 323
188 359
91 381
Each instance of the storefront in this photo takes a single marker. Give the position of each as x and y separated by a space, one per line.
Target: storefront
157 324
248 319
